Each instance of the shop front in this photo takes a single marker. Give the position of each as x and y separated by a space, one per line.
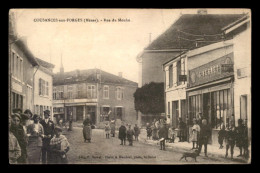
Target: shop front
210 93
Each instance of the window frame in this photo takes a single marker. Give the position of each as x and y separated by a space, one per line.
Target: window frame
105 92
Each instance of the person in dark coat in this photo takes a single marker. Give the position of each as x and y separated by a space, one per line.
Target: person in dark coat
182 128
204 136
137 132
87 130
18 131
122 133
148 130
221 136
48 127
130 133
163 135
230 139
241 135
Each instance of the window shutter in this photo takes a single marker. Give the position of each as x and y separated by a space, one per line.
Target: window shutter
122 90
40 86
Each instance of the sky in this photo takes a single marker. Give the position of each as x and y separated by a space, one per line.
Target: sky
111 46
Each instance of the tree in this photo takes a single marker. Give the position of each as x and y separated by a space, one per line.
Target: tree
149 99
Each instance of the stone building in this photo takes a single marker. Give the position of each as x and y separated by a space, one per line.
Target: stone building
95 93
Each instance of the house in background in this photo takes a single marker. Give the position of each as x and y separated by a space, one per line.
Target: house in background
43 77
95 93
202 80
189 32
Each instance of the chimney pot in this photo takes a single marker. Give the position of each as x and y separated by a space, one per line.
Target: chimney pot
120 74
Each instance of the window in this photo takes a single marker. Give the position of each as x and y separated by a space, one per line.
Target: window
106 92
170 76
60 92
54 93
40 86
17 67
119 93
17 101
80 90
178 66
91 91
47 88
70 89
21 69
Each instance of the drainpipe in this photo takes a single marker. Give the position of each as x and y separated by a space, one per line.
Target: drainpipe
34 86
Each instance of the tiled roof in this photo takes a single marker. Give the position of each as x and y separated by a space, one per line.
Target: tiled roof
89 76
190 27
44 63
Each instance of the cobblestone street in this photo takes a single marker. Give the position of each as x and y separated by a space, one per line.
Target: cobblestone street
102 150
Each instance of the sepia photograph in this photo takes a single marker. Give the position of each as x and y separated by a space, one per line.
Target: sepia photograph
129 86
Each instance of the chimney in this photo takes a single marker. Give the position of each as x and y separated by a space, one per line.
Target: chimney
120 74
202 11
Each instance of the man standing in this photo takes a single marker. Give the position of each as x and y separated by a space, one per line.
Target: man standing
182 128
122 133
204 135
241 133
48 127
137 132
163 135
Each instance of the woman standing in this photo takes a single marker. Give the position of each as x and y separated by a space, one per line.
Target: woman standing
195 134
14 147
36 133
18 131
113 128
87 131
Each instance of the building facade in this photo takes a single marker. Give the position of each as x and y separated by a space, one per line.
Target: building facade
21 70
43 82
95 93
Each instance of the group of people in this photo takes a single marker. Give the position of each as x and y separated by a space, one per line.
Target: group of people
128 134
235 136
161 130
35 140
232 136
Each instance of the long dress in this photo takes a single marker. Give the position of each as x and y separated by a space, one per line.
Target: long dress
87 132
195 132
14 149
34 143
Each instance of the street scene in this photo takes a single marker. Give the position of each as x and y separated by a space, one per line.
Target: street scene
129 86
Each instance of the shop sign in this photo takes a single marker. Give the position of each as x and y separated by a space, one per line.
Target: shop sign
213 70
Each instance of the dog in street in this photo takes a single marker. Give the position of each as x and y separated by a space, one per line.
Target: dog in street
189 154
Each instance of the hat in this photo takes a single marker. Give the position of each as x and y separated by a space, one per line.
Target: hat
28 111
57 128
16 115
240 121
25 116
17 110
47 112
35 116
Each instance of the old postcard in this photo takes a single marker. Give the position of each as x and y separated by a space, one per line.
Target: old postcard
129 86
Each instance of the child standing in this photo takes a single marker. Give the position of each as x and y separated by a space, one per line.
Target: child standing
195 134
59 146
221 136
137 132
107 130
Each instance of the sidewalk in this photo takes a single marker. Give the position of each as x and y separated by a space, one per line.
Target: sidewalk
212 150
